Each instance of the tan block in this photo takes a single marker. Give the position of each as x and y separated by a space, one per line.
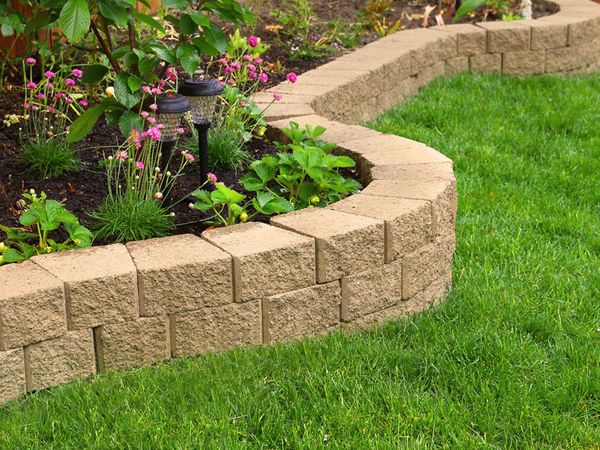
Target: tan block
346 243
279 111
100 284
132 344
426 265
441 194
430 73
336 132
417 172
568 59
457 65
407 222
266 260
471 40
12 375
60 360
372 290
485 63
215 329
181 273
402 91
506 36
524 63
585 30
32 305
427 298
288 98
306 312
548 33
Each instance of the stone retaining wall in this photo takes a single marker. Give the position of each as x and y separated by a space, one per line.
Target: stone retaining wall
380 254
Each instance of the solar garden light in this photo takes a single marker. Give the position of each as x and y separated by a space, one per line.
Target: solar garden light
170 110
203 95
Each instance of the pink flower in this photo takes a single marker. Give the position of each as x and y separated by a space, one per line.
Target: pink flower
140 165
247 58
59 95
31 85
258 61
223 61
153 106
158 196
153 133
49 85
171 73
121 155
180 130
188 156
236 65
49 74
211 177
156 91
292 77
77 73
31 61
146 89
277 96
84 103
69 100
228 70
244 104
51 109
134 137
69 81
252 41
26 105
263 78
40 95
252 75
252 67
35 107
144 114
231 82
151 120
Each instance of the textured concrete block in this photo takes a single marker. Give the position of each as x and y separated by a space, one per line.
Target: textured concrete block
407 222
471 40
584 30
428 297
280 111
306 312
441 194
524 63
430 73
567 59
266 260
457 65
345 243
215 329
32 305
12 375
426 265
181 273
58 361
100 284
371 290
546 34
416 172
506 36
485 63
132 344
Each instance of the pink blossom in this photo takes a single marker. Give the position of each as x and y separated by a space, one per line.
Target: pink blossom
211 177
121 155
134 137
247 58
244 104
188 156
144 114
77 73
26 105
258 61
223 61
69 81
69 100
153 133
236 65
49 85
252 75
171 73
252 41
263 78
40 95
277 96
84 103
252 67
35 107
156 91
231 82
180 130
158 196
31 61
49 74
140 165
31 84
151 120
51 109
153 106
228 70
292 77
59 95
146 89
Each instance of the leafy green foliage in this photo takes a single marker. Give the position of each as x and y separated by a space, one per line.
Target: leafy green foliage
224 202
41 217
225 149
304 173
124 218
75 19
466 7
49 159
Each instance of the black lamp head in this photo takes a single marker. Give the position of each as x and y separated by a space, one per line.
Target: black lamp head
170 109
203 95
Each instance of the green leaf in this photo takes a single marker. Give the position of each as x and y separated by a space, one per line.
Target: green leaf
264 171
84 123
187 25
75 19
200 19
163 53
94 73
146 65
56 214
7 30
123 94
176 4
188 57
134 83
81 236
466 7
29 217
251 183
11 255
129 121
117 14
225 195
333 161
148 20
202 195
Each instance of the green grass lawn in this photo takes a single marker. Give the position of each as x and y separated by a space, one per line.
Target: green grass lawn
510 360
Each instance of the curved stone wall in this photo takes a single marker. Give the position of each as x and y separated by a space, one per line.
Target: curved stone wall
376 255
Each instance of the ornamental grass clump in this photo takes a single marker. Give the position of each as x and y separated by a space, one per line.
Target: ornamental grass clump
50 104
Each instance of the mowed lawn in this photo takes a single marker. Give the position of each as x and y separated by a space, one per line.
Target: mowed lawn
510 360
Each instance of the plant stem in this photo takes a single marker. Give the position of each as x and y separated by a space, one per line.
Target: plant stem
105 48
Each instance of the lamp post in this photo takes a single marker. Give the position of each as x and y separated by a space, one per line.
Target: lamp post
170 110
203 95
